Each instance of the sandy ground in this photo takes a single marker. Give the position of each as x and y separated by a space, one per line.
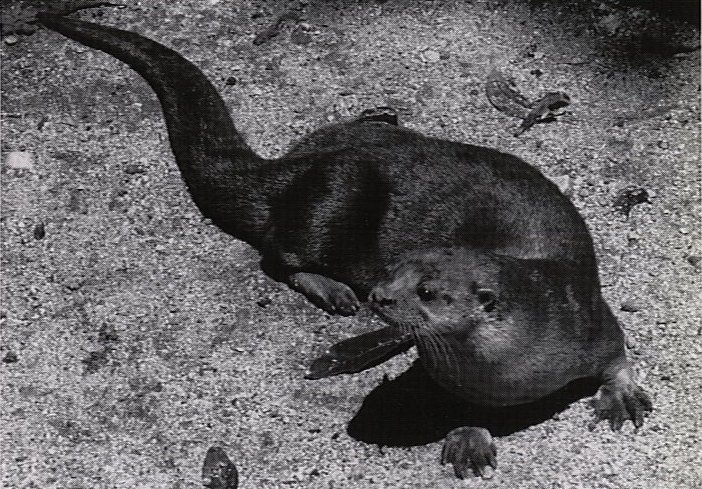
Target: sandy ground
135 335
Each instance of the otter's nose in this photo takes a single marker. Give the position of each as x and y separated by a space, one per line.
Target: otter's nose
380 296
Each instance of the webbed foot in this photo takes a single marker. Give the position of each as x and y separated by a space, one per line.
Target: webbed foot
327 294
470 449
619 399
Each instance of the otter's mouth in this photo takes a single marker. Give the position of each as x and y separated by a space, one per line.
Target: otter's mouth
391 320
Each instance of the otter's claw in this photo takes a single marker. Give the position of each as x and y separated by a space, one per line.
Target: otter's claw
470 449
327 294
618 405
619 399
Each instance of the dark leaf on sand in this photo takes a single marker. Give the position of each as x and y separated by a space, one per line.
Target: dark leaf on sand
360 353
544 110
503 95
218 472
629 197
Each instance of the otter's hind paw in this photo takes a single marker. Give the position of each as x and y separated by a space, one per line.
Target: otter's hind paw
470 449
619 399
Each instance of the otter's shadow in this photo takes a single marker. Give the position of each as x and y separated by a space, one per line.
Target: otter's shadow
413 410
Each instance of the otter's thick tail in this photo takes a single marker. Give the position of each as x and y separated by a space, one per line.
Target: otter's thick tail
195 113
212 156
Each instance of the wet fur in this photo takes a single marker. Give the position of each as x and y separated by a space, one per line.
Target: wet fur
349 199
498 330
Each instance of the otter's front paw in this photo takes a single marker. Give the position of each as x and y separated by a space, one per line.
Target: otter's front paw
327 294
619 399
617 405
470 448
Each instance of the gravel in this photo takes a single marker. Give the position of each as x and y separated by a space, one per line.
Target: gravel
135 336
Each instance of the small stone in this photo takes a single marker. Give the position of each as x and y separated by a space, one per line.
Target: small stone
563 182
694 260
630 306
11 39
133 169
536 72
230 81
630 197
218 472
39 231
610 24
263 302
73 283
300 37
663 144
10 357
684 231
20 160
431 56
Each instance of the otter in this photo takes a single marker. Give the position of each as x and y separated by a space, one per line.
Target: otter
496 331
331 216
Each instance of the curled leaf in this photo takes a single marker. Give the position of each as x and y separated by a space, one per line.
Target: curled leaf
503 95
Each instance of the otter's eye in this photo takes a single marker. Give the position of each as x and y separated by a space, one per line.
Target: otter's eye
487 298
425 294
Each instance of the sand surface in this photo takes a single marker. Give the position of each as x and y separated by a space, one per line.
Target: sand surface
135 335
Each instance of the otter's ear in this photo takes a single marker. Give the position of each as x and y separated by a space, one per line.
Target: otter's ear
487 298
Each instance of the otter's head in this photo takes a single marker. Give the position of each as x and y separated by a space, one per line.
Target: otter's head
438 292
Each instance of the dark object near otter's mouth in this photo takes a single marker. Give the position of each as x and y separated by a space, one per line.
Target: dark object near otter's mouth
360 353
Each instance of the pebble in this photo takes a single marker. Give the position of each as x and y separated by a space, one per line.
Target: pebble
218 471
39 231
11 39
300 37
73 283
10 357
133 169
20 160
431 56
563 182
694 260
630 306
